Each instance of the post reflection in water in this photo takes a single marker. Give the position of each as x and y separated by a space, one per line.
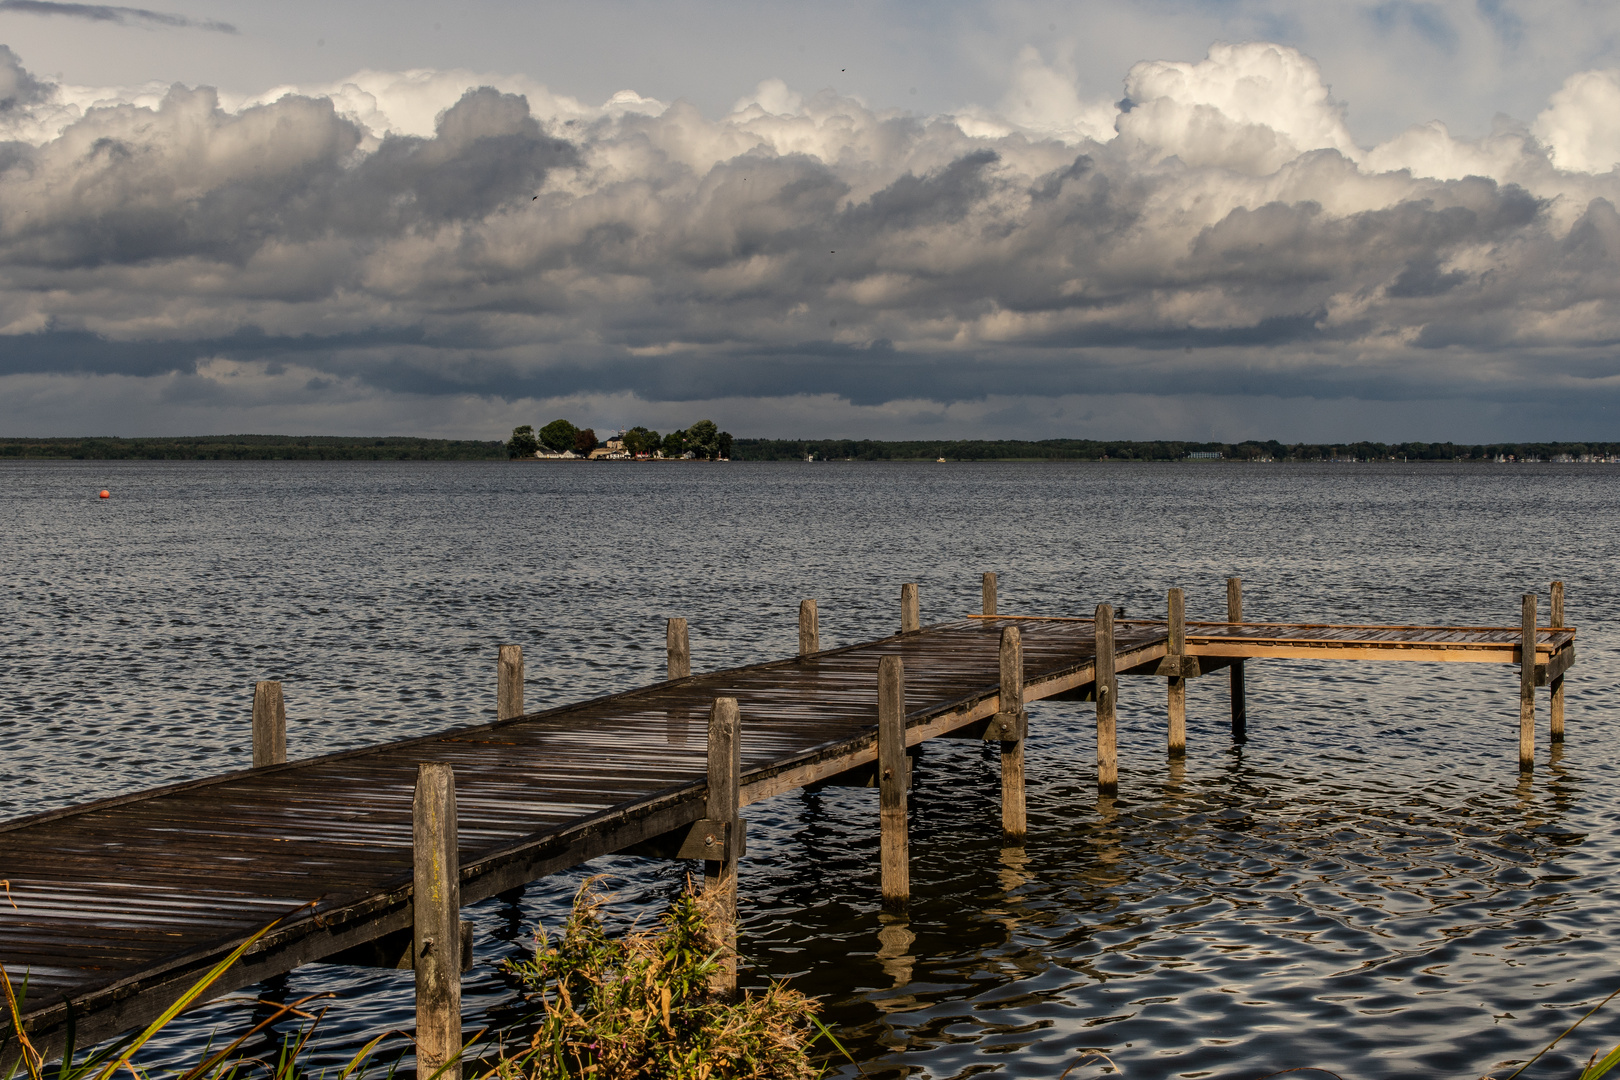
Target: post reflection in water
895 940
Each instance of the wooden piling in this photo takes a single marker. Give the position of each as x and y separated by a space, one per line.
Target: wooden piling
1107 691
1177 692
893 772
509 682
910 617
1013 722
1555 710
1527 685
724 803
269 725
680 650
809 628
989 592
1240 707
436 914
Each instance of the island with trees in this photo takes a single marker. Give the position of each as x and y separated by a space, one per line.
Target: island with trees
560 440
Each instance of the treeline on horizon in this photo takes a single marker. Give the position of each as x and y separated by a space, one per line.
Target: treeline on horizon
404 448
256 448
1154 450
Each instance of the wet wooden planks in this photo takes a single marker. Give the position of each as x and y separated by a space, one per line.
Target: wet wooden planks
119 904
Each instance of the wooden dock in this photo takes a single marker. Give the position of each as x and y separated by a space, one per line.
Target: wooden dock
116 906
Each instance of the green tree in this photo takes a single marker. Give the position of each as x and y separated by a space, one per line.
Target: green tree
640 440
703 439
674 444
558 436
584 441
523 443
725 442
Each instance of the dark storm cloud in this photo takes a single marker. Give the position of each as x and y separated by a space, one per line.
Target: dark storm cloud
19 89
287 176
108 13
822 250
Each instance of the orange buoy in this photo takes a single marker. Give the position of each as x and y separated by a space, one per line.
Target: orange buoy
105 494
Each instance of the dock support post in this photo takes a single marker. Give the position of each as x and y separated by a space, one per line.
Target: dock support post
1107 691
509 682
989 592
1240 706
1013 722
1527 685
893 774
809 628
436 914
1555 711
910 618
269 725
1177 692
725 792
680 651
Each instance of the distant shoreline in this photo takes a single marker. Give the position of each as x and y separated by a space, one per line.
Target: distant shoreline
403 448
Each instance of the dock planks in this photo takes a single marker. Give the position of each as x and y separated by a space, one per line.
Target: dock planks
118 905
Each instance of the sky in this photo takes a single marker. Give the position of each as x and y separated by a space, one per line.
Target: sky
1209 220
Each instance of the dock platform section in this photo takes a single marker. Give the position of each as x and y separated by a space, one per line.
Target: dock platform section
116 906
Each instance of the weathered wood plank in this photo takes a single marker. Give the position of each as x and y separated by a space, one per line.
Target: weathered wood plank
1107 693
509 682
436 923
1240 704
722 803
269 725
1553 670
809 628
1555 706
1527 685
910 613
1176 659
894 841
678 650
1012 722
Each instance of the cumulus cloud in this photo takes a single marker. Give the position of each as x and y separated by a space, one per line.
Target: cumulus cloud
1581 125
1215 236
1251 108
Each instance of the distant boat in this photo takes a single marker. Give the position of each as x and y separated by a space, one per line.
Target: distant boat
939 459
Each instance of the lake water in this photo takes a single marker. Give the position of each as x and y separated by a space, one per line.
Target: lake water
1368 885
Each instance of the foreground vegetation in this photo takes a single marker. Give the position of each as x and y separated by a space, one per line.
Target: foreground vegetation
641 1006
634 1007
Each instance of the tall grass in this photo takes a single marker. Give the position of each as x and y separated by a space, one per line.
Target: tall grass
607 1008
641 1006
223 1064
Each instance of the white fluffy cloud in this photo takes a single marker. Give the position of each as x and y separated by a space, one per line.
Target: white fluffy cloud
443 236
1251 108
1581 125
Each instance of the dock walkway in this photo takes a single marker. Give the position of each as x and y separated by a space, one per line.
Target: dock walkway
117 905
